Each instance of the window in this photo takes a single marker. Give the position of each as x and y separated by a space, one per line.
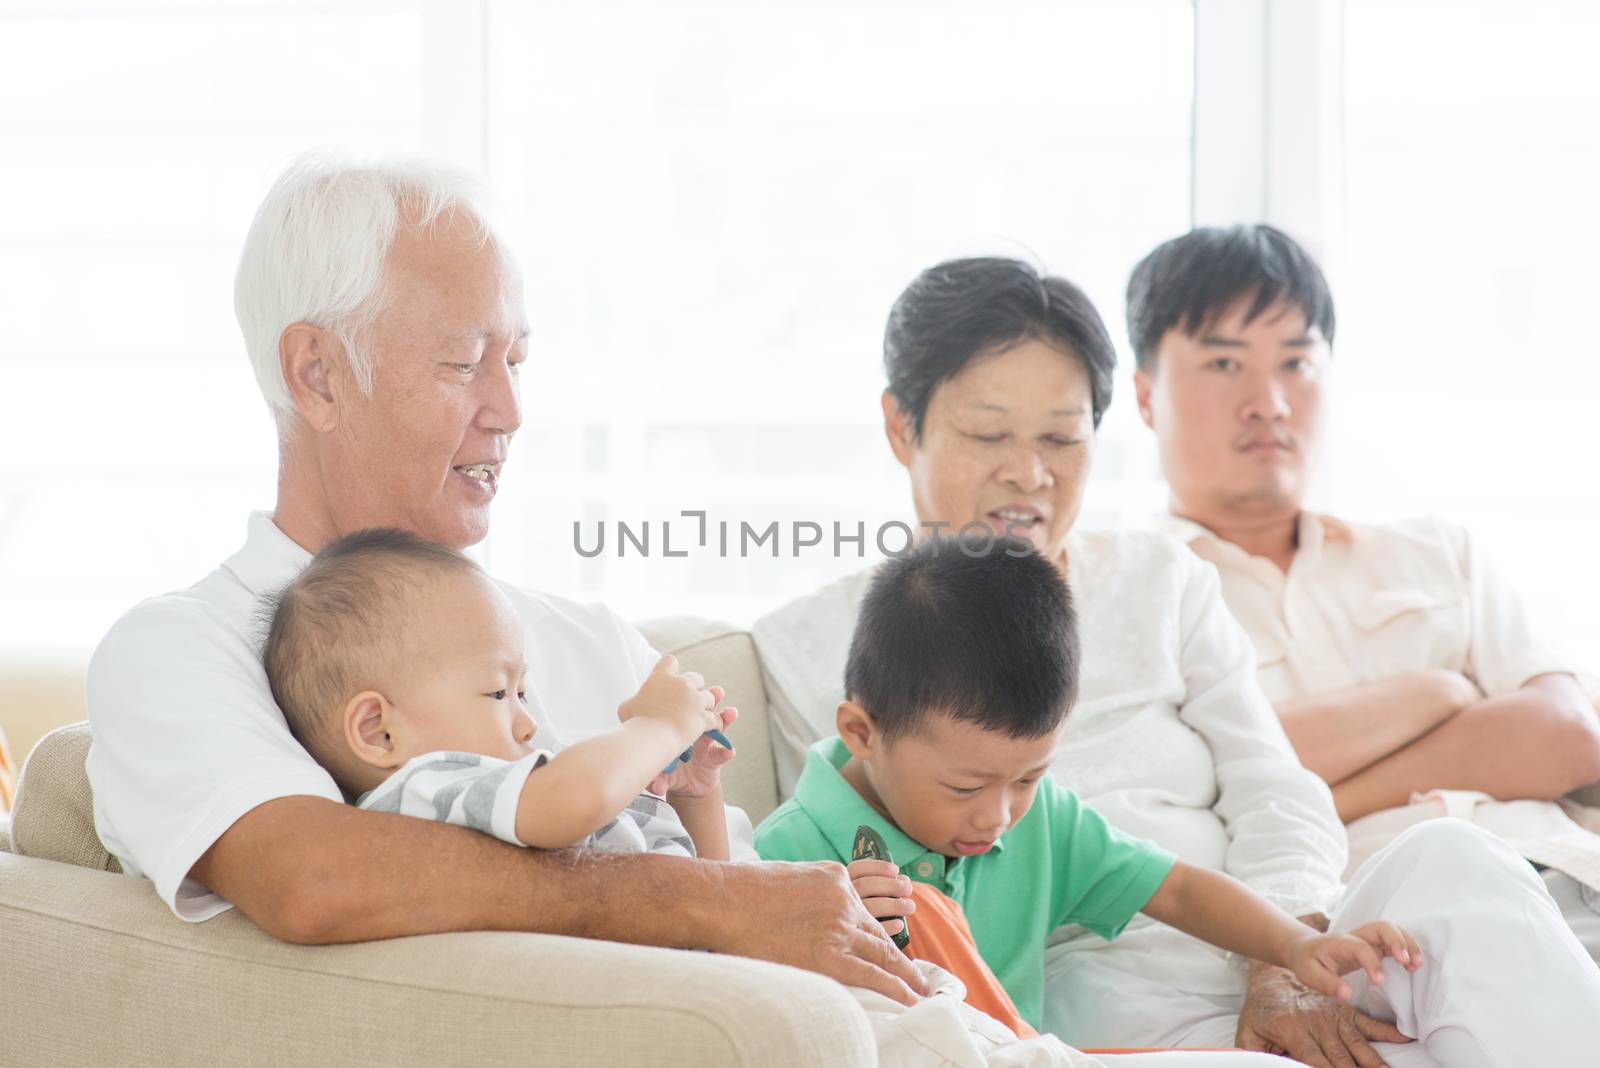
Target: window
1466 286
719 203
137 140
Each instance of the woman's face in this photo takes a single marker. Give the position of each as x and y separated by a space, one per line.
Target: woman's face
1006 442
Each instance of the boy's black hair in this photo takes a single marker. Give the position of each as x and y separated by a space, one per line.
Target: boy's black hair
989 638
958 310
1189 281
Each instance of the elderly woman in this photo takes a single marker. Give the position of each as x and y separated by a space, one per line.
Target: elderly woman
998 377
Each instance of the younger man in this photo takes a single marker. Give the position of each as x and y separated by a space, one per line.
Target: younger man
960 676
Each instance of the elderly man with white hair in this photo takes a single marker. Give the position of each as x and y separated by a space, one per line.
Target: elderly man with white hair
384 319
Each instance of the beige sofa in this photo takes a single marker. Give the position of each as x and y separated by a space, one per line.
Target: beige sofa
94 970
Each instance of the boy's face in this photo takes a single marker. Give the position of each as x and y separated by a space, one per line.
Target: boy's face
953 786
464 688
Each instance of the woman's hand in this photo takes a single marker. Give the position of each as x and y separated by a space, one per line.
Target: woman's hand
884 891
1320 961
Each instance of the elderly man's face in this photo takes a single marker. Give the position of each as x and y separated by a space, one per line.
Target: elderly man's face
1237 410
424 451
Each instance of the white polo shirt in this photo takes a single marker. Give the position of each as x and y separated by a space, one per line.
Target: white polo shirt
187 737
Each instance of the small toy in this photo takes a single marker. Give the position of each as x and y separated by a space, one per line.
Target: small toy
683 758
869 845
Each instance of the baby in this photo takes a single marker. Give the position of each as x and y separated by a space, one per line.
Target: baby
398 665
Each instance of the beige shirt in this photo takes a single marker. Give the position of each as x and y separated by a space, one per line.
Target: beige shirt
1362 603
1365 603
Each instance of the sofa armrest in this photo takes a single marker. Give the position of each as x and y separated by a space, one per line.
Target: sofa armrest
97 971
5 834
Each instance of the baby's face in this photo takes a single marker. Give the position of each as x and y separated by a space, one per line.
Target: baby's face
465 690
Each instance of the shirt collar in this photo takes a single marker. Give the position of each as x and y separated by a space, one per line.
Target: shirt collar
836 808
1314 530
269 558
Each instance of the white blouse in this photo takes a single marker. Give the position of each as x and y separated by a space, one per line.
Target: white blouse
1171 739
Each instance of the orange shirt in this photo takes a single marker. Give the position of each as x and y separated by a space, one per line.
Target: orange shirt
940 935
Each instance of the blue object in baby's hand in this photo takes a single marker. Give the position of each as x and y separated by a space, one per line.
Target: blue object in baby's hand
684 757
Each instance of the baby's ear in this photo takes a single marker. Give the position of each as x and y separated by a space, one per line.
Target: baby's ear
368 720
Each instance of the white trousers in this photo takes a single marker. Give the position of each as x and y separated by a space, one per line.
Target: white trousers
1580 906
943 1031
1504 981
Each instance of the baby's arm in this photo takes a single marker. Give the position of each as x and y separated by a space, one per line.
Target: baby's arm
1219 909
706 821
584 787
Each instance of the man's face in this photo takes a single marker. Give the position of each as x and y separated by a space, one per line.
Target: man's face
424 451
955 786
1237 411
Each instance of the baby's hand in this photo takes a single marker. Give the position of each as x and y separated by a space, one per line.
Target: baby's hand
1319 961
703 773
885 892
680 699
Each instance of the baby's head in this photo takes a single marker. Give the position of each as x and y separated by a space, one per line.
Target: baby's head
961 673
388 646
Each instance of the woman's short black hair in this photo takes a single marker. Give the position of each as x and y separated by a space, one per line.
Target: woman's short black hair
960 309
1191 280
981 630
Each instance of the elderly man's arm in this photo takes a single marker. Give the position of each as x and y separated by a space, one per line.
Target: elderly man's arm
1539 741
311 870
1338 733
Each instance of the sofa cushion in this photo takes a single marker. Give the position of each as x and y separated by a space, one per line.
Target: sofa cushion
54 817
97 971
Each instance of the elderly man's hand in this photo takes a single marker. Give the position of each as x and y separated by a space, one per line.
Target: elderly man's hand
1282 1016
808 916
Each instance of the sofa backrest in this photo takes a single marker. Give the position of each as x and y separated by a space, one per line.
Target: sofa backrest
54 815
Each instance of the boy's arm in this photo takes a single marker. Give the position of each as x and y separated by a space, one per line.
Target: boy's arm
703 817
1217 908
583 787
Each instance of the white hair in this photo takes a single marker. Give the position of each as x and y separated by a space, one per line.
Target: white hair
317 249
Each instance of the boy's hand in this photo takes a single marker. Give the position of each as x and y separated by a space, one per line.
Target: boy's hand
1319 961
884 891
702 776
680 699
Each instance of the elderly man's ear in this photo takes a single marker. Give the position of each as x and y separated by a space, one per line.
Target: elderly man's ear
307 355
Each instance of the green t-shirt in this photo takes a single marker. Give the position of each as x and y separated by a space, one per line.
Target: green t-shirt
1061 863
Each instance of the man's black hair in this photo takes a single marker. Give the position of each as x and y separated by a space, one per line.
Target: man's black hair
1187 283
988 638
961 309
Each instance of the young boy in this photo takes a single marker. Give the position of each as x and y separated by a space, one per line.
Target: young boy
960 675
